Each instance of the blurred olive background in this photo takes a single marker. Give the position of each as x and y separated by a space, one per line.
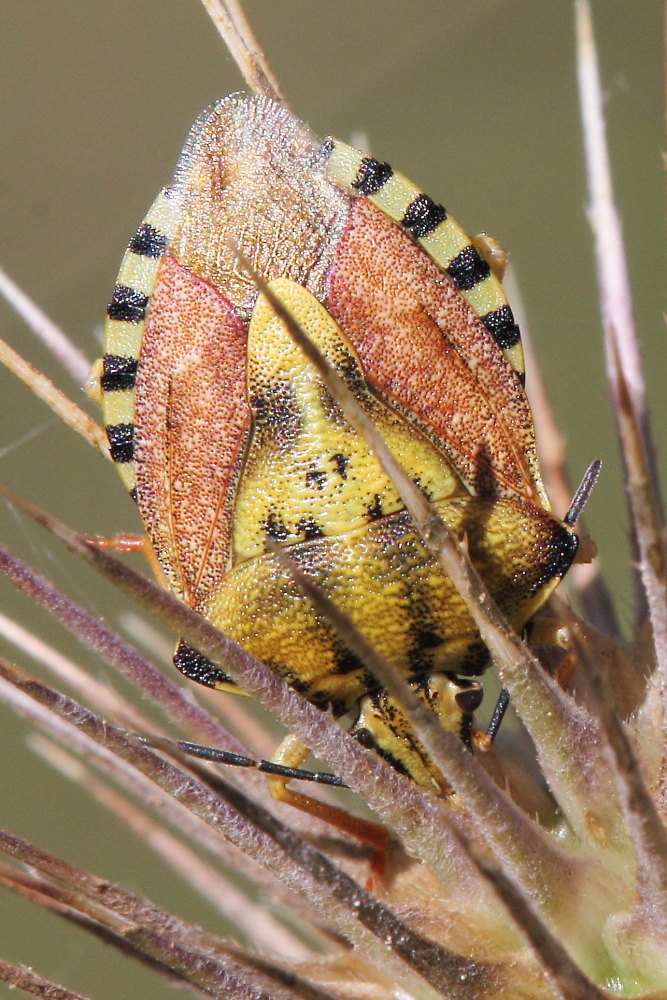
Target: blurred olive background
475 101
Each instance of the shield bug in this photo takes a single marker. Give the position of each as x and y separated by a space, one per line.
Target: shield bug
227 437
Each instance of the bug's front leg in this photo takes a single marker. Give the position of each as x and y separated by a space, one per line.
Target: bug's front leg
292 753
561 641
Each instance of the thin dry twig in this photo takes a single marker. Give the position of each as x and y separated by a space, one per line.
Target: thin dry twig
254 921
20 977
61 347
624 369
177 949
173 701
188 825
238 36
57 401
66 671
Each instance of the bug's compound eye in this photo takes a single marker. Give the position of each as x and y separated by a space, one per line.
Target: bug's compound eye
470 698
366 738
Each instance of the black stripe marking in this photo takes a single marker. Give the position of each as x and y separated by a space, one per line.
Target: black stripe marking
465 732
197 667
148 242
316 479
309 528
423 215
426 638
468 269
345 662
341 462
375 511
121 442
373 175
275 528
563 550
118 372
500 323
127 305
469 699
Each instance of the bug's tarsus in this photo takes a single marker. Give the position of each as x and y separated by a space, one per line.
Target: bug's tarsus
584 490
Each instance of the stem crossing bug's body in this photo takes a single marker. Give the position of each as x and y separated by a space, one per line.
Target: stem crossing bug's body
226 435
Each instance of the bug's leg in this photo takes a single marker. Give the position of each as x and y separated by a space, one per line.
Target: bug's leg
562 639
121 543
292 753
492 252
231 759
553 637
133 543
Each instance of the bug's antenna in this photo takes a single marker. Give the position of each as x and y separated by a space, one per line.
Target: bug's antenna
584 490
498 715
239 760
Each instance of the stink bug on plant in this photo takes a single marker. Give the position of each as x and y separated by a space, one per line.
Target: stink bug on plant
230 443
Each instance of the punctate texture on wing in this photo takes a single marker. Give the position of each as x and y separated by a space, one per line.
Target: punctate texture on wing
423 348
192 423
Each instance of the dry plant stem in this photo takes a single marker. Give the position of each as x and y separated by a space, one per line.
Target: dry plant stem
613 278
569 762
348 907
171 699
255 922
189 826
537 863
647 520
236 33
107 701
58 343
648 832
625 375
404 806
159 946
97 693
63 903
23 978
205 633
57 401
179 950
566 980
